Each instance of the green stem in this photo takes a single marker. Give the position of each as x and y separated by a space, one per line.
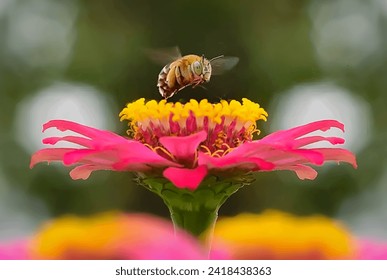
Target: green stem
195 211
196 222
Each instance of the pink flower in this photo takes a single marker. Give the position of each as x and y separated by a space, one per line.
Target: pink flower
186 143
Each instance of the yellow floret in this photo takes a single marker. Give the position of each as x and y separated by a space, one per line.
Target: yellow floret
247 111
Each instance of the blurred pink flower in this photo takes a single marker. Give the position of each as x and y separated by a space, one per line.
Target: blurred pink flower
193 141
14 250
371 250
107 236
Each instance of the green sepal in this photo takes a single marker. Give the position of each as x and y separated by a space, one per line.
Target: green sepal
195 211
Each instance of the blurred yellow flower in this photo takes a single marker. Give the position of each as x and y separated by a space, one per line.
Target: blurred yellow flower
113 236
277 235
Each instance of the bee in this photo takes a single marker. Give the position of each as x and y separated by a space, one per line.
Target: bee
189 70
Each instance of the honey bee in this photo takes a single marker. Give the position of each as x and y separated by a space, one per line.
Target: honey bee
189 70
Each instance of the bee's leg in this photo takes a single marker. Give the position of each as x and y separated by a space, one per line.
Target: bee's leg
170 94
196 83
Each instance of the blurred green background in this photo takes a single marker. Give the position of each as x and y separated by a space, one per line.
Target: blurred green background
301 60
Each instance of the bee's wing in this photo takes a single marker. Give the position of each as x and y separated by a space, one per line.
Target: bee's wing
222 64
164 56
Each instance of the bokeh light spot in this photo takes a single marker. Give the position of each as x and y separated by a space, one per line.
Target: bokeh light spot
74 102
345 33
41 33
311 102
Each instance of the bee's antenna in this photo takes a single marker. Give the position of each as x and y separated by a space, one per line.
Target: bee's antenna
216 57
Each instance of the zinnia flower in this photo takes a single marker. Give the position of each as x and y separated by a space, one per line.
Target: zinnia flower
193 155
107 236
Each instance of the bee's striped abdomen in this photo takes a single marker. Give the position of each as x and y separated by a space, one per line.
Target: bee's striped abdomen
162 82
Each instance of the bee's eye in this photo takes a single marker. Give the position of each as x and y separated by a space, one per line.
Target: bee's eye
197 67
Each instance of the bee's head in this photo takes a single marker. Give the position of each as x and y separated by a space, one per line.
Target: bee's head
206 68
202 68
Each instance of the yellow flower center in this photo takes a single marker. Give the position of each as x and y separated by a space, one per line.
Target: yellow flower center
245 112
228 124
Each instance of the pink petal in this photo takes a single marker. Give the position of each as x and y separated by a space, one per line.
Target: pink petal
311 156
303 171
233 161
83 171
251 149
338 155
183 146
128 163
298 131
139 153
76 155
282 151
72 139
314 139
262 155
283 157
185 178
104 151
88 131
50 154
